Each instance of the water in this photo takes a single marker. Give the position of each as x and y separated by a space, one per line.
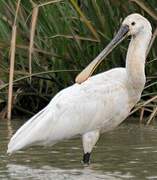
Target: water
129 152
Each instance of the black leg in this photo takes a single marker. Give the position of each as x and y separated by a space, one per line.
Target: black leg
86 158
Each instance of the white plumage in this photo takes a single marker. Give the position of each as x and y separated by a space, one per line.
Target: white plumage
97 105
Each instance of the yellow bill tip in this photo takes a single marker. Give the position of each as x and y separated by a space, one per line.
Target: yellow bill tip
80 78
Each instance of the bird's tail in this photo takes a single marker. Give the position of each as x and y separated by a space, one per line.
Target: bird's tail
25 136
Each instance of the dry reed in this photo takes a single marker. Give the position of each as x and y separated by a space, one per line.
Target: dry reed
12 61
32 33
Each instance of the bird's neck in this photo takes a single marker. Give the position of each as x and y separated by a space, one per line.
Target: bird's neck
135 63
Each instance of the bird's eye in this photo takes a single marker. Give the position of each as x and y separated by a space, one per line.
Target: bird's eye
133 23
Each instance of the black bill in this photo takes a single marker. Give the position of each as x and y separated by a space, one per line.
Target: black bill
87 72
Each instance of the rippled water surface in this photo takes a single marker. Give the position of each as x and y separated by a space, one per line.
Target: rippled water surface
129 152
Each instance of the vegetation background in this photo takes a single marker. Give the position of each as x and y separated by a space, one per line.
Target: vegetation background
44 45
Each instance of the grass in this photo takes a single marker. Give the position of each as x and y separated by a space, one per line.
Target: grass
55 40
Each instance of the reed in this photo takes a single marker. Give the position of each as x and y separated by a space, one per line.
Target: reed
32 33
12 62
56 39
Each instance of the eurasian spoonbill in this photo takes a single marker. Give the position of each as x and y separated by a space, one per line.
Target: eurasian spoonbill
99 104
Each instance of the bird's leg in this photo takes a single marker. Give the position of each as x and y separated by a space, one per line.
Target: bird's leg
89 139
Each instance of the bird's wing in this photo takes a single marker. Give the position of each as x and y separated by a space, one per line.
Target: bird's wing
75 110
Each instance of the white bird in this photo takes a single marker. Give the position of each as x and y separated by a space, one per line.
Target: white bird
98 104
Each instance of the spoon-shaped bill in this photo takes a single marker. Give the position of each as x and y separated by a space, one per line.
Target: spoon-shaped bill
87 72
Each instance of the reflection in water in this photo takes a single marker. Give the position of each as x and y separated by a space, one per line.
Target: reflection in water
129 152
48 172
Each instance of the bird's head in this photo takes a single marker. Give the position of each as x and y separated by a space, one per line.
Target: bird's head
133 25
136 24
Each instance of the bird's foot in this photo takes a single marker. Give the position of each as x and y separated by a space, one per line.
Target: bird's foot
86 159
